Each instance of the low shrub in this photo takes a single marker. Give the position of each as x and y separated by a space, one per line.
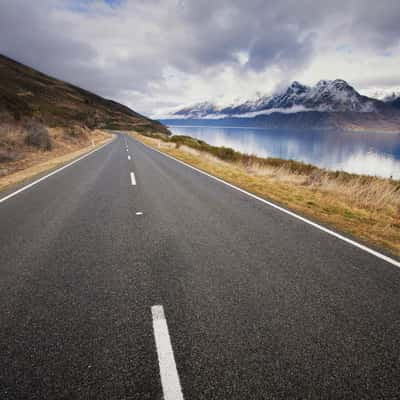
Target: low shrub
6 156
37 135
76 132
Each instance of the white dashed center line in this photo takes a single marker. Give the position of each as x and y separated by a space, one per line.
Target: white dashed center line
169 375
129 158
139 213
133 179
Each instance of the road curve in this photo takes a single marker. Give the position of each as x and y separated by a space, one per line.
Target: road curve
99 267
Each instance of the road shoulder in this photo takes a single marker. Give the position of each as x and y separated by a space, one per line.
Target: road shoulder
15 181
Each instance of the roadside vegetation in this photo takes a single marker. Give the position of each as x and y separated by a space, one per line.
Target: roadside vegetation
29 148
365 207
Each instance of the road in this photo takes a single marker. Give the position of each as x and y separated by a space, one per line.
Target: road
127 265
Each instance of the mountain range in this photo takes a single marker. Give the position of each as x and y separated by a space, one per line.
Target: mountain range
328 104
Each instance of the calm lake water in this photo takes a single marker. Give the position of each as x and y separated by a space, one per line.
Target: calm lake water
362 153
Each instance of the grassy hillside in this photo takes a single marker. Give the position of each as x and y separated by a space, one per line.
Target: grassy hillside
28 94
44 121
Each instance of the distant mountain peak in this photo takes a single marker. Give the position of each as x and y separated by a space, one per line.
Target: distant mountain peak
297 87
336 84
325 96
332 82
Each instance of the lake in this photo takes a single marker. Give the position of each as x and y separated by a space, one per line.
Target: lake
358 152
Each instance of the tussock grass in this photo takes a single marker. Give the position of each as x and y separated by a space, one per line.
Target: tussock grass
365 207
22 159
366 192
37 135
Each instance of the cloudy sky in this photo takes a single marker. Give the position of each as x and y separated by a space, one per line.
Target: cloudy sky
157 54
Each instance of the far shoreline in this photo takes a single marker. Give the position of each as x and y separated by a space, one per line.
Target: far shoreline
359 152
249 123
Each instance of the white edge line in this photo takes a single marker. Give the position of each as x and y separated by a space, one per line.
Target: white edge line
133 179
284 210
52 173
169 375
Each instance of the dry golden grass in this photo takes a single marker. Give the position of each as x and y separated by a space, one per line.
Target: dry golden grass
31 162
366 208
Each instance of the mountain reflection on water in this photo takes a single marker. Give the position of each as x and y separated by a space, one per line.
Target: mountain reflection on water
358 152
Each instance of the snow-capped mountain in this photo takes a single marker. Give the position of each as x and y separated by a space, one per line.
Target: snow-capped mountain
327 105
325 96
198 110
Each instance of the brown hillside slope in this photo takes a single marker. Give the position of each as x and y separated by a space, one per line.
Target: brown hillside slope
27 93
45 122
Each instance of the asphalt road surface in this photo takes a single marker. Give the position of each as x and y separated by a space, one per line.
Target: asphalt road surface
128 275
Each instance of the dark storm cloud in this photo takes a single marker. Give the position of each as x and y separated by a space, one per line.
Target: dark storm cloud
28 34
285 50
31 34
115 47
376 24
